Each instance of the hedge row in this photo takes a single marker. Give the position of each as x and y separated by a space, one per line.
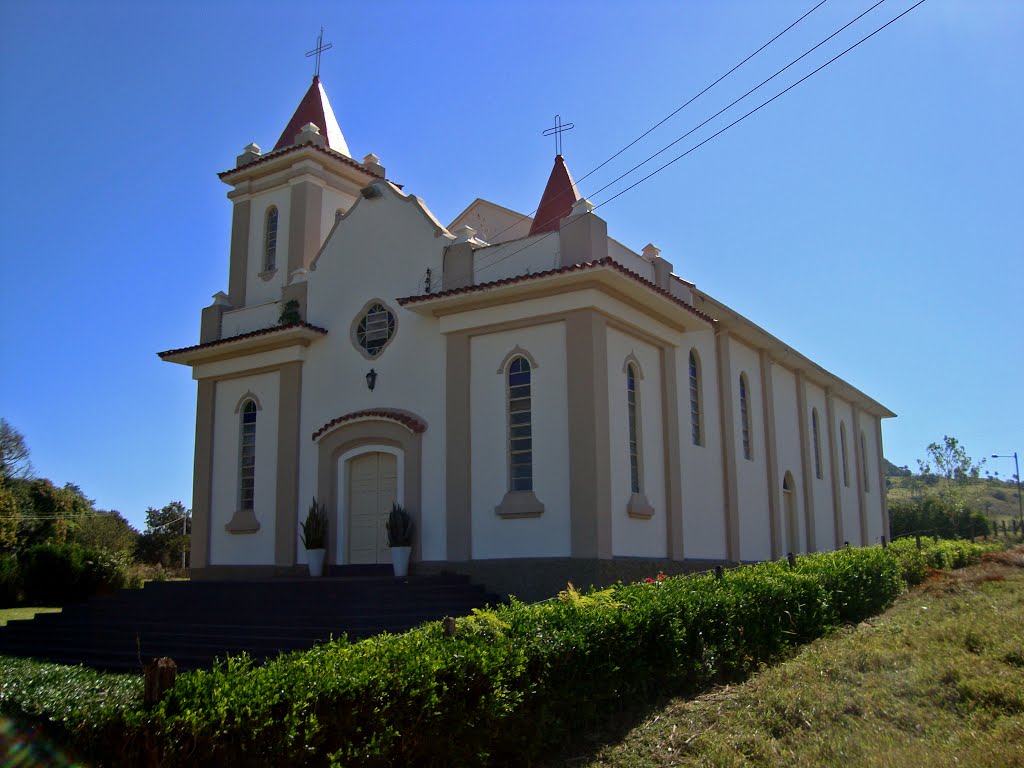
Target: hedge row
58 574
509 685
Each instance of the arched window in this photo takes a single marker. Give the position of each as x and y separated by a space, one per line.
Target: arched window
864 460
270 240
792 520
695 416
520 429
745 417
816 436
247 457
842 449
634 444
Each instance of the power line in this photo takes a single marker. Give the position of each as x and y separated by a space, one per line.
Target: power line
723 130
673 113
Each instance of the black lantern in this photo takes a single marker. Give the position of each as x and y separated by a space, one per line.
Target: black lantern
371 379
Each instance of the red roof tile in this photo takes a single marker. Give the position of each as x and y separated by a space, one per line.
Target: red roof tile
250 334
314 108
556 202
402 417
607 261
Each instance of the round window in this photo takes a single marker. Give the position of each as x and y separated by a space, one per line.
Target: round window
375 329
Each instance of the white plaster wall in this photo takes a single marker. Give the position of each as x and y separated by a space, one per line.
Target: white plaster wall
519 257
824 521
549 534
872 496
635 537
379 251
252 548
751 476
251 318
702 481
787 451
257 290
630 260
331 201
848 493
493 223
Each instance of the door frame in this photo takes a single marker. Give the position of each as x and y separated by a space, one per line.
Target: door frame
343 529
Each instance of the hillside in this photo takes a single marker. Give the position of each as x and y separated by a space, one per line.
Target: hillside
996 499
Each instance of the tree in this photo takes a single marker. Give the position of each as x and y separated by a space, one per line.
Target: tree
108 531
14 453
163 541
950 461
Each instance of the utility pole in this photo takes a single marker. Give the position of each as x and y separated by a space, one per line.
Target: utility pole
1016 465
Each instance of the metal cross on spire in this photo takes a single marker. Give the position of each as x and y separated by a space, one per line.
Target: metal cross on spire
557 130
320 47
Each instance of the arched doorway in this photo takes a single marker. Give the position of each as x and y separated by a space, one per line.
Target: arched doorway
792 521
372 489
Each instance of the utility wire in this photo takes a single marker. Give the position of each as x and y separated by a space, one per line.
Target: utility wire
670 115
726 128
725 109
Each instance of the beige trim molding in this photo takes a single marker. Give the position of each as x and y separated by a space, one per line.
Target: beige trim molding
289 408
249 395
304 214
858 477
238 270
354 327
242 521
458 454
772 458
884 497
356 434
517 504
631 358
673 462
833 468
267 275
515 352
639 507
202 474
806 460
727 417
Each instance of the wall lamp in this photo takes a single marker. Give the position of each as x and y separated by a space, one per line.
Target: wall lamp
371 379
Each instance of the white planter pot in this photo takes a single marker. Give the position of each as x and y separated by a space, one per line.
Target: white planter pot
316 561
400 560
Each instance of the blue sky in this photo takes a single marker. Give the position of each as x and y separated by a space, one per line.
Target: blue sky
871 217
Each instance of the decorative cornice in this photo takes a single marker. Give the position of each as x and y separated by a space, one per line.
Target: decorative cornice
407 420
251 334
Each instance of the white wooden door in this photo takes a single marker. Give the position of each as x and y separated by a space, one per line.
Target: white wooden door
373 486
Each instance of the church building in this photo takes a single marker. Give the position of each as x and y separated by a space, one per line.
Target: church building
548 403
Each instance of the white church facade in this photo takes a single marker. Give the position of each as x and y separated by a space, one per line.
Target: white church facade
547 403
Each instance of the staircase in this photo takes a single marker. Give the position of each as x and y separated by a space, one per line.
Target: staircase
197 622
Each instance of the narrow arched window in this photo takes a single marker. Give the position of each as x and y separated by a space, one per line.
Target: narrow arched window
695 415
745 417
815 435
520 429
842 449
247 457
864 460
634 444
270 240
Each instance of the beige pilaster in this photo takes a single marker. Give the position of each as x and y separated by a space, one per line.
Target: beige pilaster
806 460
833 469
882 491
673 465
305 213
458 455
590 507
289 411
202 474
730 482
239 267
771 455
858 465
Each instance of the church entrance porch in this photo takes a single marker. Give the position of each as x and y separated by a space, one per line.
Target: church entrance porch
372 489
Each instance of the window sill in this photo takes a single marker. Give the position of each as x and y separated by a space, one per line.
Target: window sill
639 507
518 504
267 274
243 521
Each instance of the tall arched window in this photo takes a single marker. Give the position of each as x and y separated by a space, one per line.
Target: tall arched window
520 429
745 417
634 445
695 416
247 457
842 449
864 460
270 240
815 434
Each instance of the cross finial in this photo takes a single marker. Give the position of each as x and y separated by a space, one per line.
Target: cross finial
320 47
557 130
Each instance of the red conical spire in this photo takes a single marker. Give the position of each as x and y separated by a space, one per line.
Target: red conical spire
314 108
556 202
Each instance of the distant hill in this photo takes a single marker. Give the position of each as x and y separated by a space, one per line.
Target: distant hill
994 498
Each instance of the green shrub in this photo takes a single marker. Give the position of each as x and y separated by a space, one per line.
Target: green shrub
10 580
57 574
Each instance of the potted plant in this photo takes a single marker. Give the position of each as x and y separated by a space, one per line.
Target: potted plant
400 527
314 537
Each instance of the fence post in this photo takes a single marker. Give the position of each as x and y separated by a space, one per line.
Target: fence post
792 559
919 541
884 543
718 572
160 675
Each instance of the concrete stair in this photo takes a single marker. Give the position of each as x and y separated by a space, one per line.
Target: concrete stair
197 622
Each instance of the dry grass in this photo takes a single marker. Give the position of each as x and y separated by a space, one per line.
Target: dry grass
938 680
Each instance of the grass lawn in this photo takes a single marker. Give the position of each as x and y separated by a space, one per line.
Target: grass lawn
7 614
937 680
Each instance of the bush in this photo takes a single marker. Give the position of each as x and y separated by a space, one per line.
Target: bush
57 574
10 580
